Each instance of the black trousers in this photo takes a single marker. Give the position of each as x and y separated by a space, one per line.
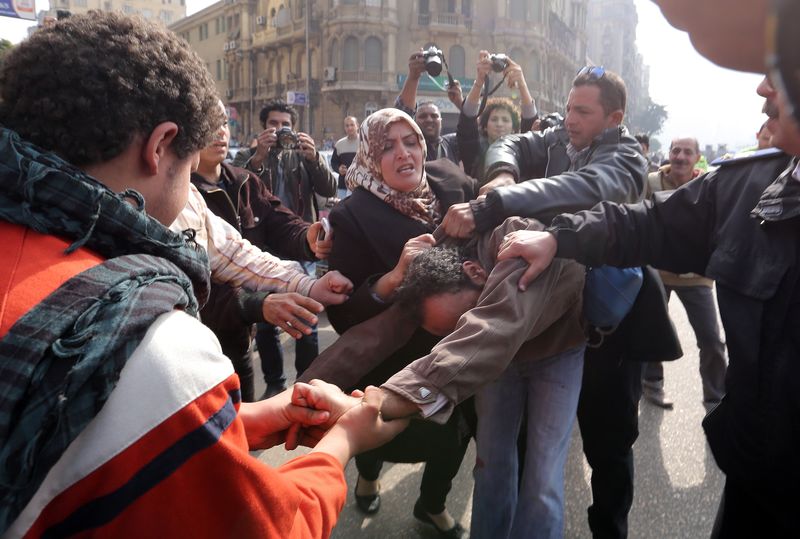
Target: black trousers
441 447
608 416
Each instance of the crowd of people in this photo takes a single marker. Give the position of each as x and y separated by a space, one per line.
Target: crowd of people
142 265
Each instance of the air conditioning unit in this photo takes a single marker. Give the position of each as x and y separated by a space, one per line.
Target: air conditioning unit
329 74
261 20
233 45
225 46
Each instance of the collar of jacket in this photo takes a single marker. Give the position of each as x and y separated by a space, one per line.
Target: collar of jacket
43 192
780 201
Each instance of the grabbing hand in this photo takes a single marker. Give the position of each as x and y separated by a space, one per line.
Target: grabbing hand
411 249
306 147
537 248
292 312
501 180
459 222
331 289
267 423
360 429
320 248
321 396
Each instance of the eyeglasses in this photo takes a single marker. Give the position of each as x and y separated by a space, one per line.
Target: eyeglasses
593 72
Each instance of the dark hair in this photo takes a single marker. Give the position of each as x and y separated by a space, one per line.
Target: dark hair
433 271
494 103
87 85
642 138
613 94
280 106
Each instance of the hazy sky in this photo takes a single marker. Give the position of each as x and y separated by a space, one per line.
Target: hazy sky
714 104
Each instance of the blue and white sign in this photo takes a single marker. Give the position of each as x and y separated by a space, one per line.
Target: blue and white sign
19 9
295 98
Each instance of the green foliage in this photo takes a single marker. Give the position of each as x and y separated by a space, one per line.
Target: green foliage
647 117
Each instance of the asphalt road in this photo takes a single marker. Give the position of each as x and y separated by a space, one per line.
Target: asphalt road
677 483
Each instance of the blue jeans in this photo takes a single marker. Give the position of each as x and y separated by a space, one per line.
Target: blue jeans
548 389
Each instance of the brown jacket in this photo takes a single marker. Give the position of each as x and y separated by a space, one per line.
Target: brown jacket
505 324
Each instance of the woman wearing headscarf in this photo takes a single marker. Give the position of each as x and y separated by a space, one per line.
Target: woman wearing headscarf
398 196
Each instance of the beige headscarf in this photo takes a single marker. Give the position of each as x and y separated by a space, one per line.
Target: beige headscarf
421 203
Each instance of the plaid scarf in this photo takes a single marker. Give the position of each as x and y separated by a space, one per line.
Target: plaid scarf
61 360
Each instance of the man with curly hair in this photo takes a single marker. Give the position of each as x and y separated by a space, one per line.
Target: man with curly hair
115 401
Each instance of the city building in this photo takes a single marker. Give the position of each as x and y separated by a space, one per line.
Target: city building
335 58
611 33
166 11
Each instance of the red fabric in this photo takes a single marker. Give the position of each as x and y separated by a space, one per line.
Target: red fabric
33 266
220 491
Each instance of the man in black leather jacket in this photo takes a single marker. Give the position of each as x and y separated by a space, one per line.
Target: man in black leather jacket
591 159
739 226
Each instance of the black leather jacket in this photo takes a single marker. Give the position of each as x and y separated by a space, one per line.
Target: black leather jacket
612 168
739 226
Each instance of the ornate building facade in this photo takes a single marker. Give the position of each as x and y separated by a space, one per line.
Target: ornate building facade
350 57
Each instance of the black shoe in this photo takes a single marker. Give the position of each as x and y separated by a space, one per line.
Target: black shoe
369 503
272 390
420 514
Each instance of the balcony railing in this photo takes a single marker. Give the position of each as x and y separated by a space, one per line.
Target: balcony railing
445 20
362 11
378 77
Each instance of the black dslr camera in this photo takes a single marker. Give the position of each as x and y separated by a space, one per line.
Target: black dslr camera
433 61
499 62
287 139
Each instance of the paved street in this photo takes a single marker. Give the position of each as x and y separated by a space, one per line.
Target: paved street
677 481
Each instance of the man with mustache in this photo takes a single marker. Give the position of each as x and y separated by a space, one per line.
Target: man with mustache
739 226
693 290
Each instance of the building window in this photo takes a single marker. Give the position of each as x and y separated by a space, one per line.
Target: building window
166 18
535 69
148 14
282 17
373 55
350 54
369 108
424 6
516 10
80 3
128 10
219 69
466 8
332 53
457 61
203 30
374 3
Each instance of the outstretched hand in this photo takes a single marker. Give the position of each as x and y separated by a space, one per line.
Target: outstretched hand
537 248
292 312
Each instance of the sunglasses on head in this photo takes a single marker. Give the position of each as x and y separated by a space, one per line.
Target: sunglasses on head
593 72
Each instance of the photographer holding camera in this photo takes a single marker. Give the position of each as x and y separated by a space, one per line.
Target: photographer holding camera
499 118
290 166
288 162
427 115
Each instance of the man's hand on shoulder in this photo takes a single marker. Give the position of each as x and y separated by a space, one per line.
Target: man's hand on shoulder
537 248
